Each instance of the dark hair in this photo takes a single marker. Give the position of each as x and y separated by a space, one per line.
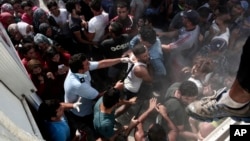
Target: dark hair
148 34
116 28
48 110
138 49
156 133
70 5
51 4
95 5
204 12
51 52
188 88
111 97
75 62
122 4
26 48
12 2
192 3
26 3
28 39
222 10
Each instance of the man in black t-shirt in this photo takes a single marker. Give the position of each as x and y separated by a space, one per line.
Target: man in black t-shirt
114 47
75 25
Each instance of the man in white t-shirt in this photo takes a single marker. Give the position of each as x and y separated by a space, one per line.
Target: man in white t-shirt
96 25
60 16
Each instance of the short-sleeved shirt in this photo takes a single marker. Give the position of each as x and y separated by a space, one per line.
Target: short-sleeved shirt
58 130
75 25
61 20
129 22
78 85
103 122
115 47
97 25
176 110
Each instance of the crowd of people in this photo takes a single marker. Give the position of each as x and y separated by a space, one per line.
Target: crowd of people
92 60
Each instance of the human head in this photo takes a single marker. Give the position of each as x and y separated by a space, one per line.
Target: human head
17 6
45 29
39 16
205 14
148 36
239 8
95 6
42 41
34 66
111 97
141 53
115 29
223 13
188 92
25 29
53 7
144 21
27 7
78 63
156 133
213 3
190 4
73 6
52 54
50 111
122 10
6 7
28 51
190 16
14 32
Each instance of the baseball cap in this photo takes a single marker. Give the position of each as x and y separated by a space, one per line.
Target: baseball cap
244 4
218 44
192 16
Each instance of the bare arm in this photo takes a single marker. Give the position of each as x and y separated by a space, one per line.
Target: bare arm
139 133
170 34
67 105
142 72
78 36
108 63
90 36
172 134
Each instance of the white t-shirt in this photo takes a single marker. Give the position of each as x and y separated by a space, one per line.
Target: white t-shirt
62 20
62 17
97 25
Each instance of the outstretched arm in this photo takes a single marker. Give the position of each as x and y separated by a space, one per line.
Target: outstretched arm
110 62
172 134
139 132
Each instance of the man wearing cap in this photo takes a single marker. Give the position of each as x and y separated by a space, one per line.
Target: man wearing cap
237 13
185 47
176 22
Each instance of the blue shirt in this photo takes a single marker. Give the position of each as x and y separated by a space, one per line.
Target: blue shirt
74 89
58 130
156 55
